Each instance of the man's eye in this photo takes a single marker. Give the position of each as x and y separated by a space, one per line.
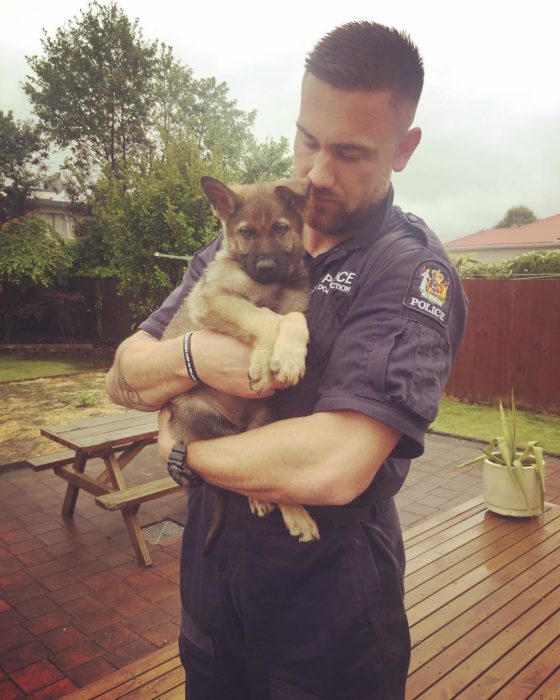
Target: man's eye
345 154
281 229
308 143
246 232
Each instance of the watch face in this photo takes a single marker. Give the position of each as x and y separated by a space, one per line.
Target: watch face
179 471
178 474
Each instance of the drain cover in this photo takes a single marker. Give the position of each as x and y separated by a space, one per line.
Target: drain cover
162 531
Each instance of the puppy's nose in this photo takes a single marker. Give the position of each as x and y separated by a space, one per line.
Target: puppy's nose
266 265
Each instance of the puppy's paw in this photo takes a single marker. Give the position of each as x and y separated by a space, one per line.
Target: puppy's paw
260 377
259 508
299 523
288 362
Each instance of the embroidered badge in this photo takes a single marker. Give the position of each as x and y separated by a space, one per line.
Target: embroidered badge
430 290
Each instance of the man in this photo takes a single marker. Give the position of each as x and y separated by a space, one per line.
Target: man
265 616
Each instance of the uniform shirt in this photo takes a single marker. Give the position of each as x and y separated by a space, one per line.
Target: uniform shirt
386 317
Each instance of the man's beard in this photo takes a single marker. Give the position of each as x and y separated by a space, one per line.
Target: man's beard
329 216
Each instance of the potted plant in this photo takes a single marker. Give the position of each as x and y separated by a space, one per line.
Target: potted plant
512 476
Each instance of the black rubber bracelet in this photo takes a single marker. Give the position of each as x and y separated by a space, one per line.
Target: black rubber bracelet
191 371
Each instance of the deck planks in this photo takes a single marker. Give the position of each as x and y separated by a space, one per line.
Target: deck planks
484 617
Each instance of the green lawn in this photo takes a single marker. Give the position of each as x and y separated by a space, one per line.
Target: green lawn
16 367
483 422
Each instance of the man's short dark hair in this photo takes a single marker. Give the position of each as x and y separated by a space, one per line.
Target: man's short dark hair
368 56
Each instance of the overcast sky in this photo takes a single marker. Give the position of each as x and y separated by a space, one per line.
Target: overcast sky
490 112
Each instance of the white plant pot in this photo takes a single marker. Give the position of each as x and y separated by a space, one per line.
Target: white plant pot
503 494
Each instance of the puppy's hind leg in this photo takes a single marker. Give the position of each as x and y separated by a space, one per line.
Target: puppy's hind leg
299 523
263 415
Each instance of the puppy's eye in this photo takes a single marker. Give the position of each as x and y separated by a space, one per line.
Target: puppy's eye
281 229
246 232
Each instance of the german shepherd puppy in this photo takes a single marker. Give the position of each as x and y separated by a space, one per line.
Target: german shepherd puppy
259 265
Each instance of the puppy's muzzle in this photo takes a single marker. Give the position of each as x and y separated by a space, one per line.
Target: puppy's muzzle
266 270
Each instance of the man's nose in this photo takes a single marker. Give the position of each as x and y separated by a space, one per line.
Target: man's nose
321 173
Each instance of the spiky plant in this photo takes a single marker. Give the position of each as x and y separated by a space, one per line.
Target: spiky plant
504 451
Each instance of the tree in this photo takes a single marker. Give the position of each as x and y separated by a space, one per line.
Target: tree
137 213
270 160
91 88
197 115
140 122
517 216
22 151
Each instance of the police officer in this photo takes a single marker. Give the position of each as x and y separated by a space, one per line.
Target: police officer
264 616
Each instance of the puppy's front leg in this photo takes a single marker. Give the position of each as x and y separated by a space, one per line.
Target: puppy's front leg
288 356
260 373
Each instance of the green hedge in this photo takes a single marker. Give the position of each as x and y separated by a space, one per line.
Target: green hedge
527 265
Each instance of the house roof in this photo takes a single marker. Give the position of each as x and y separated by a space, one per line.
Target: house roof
542 232
45 200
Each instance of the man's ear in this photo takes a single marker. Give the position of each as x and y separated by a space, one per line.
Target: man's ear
223 200
406 148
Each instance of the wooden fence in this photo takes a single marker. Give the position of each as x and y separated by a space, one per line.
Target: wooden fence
82 310
512 342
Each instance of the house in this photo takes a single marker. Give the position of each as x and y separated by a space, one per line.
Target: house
54 207
497 244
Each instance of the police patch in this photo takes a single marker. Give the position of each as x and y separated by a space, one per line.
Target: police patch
430 290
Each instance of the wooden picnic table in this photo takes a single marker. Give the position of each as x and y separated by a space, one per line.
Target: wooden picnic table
482 595
116 440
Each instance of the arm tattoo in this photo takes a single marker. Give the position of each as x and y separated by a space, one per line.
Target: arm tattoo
130 395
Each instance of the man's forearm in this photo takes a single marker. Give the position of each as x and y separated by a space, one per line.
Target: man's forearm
147 372
322 459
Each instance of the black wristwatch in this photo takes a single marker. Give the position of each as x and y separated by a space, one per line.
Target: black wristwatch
178 469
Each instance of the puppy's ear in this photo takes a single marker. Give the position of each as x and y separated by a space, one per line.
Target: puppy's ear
223 200
294 192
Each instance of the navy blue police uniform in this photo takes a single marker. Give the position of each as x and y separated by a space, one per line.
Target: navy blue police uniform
263 615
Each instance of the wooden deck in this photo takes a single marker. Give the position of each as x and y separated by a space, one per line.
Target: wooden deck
483 599
159 675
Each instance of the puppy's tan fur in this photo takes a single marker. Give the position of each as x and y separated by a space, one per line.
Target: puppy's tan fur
260 265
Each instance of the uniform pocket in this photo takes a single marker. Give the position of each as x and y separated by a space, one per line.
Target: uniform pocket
194 636
432 364
365 577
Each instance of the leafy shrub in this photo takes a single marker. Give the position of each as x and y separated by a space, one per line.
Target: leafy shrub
534 263
31 254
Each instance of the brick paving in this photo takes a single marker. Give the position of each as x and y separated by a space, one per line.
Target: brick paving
74 603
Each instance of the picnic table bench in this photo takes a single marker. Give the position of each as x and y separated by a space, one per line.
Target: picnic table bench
116 440
482 595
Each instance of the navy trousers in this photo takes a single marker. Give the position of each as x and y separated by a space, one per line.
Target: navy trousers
266 617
